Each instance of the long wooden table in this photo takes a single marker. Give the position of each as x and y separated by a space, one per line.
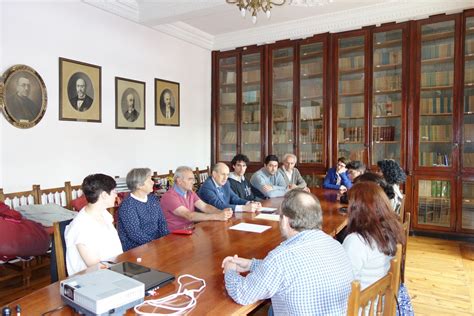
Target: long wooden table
200 254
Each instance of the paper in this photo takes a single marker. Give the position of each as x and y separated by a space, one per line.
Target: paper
253 228
270 217
267 209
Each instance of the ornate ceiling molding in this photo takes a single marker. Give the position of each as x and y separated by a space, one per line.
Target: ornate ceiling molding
188 33
335 22
127 9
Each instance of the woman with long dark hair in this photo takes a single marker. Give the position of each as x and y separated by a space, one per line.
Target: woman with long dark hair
373 232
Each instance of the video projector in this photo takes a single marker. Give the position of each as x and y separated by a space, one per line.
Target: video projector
102 292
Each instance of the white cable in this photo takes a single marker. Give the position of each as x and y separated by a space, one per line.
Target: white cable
175 309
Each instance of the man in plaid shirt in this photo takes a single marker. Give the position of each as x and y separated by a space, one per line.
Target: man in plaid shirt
308 274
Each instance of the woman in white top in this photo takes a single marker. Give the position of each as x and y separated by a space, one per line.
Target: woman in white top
373 232
91 237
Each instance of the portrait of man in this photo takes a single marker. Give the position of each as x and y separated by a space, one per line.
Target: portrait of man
131 113
20 104
167 104
78 92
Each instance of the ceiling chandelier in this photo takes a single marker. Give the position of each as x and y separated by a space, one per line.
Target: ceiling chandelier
254 6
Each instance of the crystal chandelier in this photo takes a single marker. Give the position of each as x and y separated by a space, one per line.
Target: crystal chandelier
254 6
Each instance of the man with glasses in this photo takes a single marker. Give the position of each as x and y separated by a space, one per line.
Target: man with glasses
337 178
20 106
180 202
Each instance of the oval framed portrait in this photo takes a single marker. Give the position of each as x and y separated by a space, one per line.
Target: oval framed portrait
23 96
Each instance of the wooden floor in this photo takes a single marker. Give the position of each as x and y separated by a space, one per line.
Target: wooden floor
439 280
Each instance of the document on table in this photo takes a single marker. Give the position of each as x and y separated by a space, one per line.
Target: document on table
253 228
269 210
270 217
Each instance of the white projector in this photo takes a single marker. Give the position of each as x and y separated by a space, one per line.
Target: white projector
102 292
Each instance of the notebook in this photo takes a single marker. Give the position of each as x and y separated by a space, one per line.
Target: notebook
152 278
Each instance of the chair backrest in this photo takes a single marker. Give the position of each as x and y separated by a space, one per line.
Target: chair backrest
380 297
201 176
406 230
58 252
401 209
20 198
57 195
162 181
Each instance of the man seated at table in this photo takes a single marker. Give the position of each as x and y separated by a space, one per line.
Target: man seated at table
307 274
179 203
237 180
337 178
217 192
268 181
291 175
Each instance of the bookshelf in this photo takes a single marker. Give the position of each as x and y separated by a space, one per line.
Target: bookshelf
387 94
311 103
350 95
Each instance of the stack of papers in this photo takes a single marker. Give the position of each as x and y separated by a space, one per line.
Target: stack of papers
253 228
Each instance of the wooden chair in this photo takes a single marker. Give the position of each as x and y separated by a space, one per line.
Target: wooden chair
20 198
382 293
162 180
406 229
58 258
201 176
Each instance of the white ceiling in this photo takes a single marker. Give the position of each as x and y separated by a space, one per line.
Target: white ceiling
216 25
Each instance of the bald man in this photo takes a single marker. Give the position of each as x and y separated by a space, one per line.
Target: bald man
217 192
81 102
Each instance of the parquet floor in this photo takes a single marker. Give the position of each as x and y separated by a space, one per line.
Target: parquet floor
439 280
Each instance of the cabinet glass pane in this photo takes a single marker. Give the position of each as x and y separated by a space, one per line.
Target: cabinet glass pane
436 95
311 103
350 130
227 109
282 96
434 202
468 130
467 216
251 105
387 96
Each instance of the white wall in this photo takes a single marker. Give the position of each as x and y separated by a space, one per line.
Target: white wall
37 34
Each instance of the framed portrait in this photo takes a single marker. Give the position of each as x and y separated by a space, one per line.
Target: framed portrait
23 96
166 102
129 103
80 91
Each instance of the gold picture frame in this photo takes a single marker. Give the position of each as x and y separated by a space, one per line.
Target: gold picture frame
80 91
130 107
23 96
167 105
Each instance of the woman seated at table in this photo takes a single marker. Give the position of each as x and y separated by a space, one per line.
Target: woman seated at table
394 175
337 178
91 237
373 232
140 218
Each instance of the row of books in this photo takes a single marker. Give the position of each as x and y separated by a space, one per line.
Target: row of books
251 137
469 132
469 43
436 132
354 109
228 98
434 188
311 68
469 103
382 57
311 135
468 160
308 157
468 75
227 117
434 159
387 83
253 155
353 62
383 133
437 78
251 76
283 71
387 107
351 86
436 104
351 154
281 113
350 134
437 51
282 136
310 112
228 77
230 138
